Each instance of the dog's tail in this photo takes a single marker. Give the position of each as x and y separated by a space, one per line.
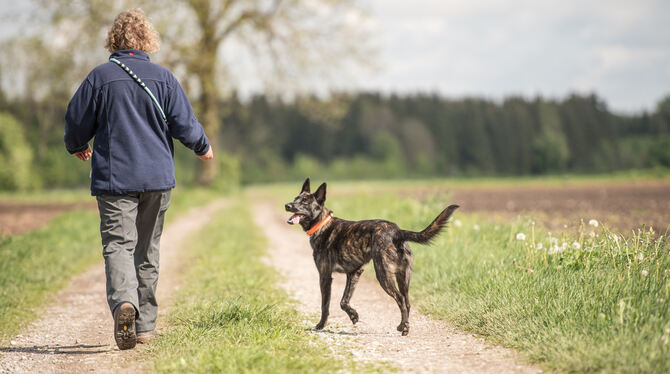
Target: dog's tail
425 236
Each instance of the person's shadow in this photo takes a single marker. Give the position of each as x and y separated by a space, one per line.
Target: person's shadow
79 349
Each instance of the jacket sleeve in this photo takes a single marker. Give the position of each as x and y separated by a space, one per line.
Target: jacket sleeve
80 119
182 122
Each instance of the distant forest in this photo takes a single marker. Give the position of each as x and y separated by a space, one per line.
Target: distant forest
392 136
370 135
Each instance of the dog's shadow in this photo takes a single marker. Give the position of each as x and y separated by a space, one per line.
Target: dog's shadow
333 332
48 349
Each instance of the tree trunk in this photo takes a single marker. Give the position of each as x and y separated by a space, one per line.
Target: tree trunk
206 65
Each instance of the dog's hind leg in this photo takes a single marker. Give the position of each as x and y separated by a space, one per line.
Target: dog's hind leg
387 280
352 279
325 281
403 276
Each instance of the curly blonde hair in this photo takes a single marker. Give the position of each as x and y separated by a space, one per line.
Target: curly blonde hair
132 30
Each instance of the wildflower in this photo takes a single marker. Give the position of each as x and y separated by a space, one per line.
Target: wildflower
644 272
593 222
520 236
564 246
475 227
592 234
458 223
554 241
539 246
640 256
575 245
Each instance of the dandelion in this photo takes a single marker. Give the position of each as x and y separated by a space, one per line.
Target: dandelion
640 256
458 223
475 227
539 246
554 241
593 222
644 272
592 234
564 246
521 236
575 245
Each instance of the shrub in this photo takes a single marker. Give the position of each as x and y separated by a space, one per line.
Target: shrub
15 155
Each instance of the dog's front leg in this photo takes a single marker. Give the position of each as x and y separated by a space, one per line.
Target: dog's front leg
325 281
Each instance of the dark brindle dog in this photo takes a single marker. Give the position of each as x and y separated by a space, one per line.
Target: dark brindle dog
345 246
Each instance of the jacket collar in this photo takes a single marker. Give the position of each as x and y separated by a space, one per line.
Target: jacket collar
130 53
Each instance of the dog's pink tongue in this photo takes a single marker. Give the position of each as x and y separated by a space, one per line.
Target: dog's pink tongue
295 219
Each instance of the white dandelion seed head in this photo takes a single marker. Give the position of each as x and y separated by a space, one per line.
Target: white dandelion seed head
475 227
592 234
644 272
458 223
593 222
564 245
554 240
640 256
575 245
520 236
539 246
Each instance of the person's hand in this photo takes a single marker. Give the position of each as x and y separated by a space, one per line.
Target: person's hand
84 155
207 156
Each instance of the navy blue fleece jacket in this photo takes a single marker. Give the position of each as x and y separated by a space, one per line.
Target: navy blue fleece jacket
133 149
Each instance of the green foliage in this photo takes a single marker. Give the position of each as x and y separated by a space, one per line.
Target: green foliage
228 178
15 155
595 301
231 317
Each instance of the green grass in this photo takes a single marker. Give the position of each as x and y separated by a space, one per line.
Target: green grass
40 262
604 307
36 264
231 315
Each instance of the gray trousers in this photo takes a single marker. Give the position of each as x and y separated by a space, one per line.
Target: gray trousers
130 227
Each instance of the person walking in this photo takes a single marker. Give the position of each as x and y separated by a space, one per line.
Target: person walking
133 108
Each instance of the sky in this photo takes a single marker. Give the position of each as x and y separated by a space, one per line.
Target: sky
619 50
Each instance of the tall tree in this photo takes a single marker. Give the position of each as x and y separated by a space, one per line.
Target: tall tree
285 41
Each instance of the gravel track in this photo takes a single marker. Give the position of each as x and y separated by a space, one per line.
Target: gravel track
433 346
74 333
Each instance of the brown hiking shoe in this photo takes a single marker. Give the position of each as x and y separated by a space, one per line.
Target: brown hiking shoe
145 336
124 326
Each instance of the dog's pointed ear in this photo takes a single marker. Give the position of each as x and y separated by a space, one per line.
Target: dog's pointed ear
305 186
320 194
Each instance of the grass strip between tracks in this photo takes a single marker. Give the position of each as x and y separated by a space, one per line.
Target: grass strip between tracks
232 316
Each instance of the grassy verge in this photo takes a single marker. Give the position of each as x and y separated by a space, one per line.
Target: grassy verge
36 264
231 316
596 301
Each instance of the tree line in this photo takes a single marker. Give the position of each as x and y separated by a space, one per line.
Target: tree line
371 135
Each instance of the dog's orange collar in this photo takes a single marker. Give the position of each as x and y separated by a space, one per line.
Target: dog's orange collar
314 228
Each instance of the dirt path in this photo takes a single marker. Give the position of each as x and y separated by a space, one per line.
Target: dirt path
18 217
75 333
432 345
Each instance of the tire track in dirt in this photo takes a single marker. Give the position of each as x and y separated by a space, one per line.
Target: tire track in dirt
432 345
74 334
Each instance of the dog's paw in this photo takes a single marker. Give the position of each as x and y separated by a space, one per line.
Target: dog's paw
404 328
354 317
320 326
